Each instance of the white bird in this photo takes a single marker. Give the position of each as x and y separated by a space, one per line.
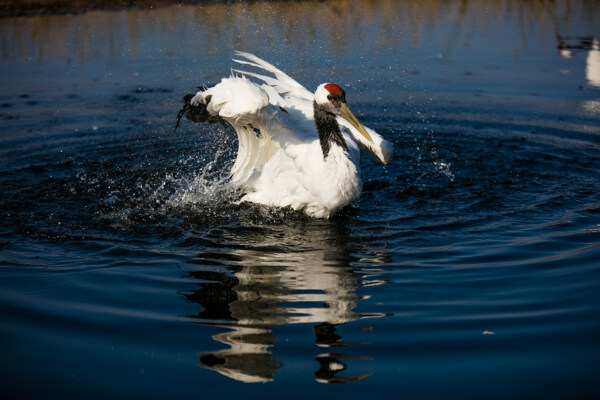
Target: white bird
296 148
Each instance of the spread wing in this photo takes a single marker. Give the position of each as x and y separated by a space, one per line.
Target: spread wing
263 127
283 84
286 92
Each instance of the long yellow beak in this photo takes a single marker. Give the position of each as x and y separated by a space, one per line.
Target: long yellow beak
348 116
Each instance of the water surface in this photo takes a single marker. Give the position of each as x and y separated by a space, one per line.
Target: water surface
468 268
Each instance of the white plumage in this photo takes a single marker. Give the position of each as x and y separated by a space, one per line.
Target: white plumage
285 158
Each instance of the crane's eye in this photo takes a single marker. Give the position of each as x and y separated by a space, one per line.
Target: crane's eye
329 97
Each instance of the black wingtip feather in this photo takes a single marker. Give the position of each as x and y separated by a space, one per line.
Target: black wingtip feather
196 113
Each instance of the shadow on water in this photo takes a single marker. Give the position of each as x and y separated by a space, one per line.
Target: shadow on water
298 272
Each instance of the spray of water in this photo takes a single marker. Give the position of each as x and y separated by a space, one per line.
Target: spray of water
208 189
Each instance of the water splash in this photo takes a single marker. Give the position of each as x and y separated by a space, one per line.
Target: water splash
209 188
443 168
190 188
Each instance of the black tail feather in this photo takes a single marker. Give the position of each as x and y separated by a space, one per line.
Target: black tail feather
196 113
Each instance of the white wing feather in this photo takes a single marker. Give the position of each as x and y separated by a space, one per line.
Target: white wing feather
380 149
296 98
283 83
234 98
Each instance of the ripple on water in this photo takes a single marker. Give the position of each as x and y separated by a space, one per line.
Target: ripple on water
470 260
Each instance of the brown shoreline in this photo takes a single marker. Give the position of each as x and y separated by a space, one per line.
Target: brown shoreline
22 8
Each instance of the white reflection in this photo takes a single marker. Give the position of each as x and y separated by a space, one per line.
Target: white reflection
592 65
295 274
245 360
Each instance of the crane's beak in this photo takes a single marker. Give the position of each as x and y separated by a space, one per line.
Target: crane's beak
348 116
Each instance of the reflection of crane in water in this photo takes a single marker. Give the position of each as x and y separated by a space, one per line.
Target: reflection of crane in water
264 286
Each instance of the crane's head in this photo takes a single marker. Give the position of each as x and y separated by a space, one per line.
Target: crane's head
333 98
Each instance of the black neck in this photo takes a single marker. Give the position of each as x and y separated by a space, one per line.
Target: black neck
328 129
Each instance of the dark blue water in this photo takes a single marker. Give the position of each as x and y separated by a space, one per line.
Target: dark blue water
468 268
